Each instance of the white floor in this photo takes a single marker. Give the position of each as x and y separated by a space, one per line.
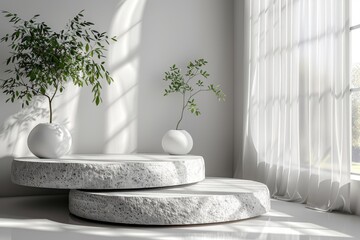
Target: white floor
47 218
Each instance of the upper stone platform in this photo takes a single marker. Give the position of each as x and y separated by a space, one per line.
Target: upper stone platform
108 171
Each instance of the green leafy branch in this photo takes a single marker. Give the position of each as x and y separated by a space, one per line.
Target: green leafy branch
42 60
189 85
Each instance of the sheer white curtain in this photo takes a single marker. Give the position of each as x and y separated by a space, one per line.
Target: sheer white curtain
297 122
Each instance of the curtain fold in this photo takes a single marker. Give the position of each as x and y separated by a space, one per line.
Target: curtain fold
297 118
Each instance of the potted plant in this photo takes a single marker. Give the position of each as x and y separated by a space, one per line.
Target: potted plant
43 61
179 141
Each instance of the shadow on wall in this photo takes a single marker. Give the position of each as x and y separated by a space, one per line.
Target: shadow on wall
20 122
13 132
108 128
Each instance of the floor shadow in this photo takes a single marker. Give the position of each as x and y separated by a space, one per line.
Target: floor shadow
7 188
41 207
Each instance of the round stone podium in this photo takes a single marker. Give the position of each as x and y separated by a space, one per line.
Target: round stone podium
108 171
213 200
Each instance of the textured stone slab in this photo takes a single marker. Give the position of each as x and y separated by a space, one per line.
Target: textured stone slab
210 201
108 171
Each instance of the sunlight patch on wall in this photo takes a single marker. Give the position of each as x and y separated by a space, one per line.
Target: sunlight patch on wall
121 96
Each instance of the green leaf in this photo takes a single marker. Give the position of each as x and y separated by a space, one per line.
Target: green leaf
45 58
187 87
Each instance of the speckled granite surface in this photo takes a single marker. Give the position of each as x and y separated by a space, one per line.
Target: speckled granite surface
210 201
108 171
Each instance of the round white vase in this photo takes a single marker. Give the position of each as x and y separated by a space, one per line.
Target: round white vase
49 140
177 142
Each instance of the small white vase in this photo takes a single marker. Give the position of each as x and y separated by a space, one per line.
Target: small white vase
49 140
177 142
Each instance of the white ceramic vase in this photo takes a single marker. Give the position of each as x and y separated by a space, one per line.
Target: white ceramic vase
177 142
49 140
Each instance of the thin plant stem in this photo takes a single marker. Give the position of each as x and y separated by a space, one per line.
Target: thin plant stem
186 104
50 109
50 103
182 112
201 90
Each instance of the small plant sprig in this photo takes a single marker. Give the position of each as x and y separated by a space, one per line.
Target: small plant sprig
189 85
42 60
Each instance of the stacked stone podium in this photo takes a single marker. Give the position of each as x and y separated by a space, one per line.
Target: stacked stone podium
144 189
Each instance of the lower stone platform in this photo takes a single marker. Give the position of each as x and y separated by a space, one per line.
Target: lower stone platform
108 171
210 201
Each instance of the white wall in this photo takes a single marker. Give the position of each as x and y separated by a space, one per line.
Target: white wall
239 83
134 116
